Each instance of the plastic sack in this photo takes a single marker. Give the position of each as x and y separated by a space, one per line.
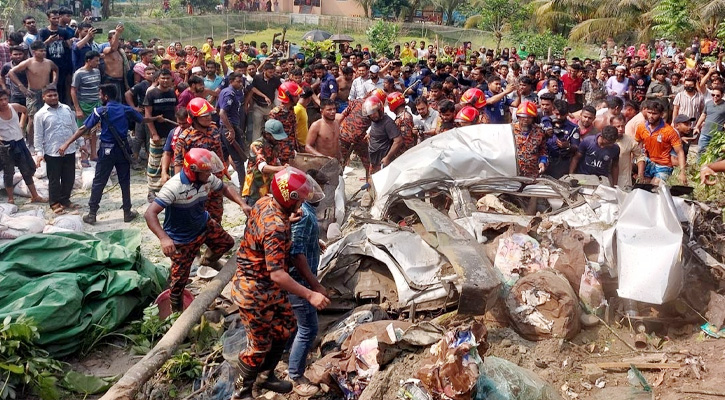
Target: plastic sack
543 305
70 222
591 292
17 177
12 227
34 212
21 189
235 179
41 172
8 209
87 178
55 229
333 340
503 380
234 340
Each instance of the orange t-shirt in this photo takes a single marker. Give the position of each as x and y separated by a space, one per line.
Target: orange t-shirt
658 143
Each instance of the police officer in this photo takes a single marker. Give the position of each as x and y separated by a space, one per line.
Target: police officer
113 150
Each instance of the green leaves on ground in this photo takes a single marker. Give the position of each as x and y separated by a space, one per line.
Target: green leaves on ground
86 384
144 333
182 365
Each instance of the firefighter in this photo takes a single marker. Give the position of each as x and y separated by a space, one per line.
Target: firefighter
262 281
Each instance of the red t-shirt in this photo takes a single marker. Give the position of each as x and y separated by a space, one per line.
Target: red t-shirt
571 86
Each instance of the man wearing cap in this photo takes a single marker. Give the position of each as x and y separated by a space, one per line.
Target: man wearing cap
263 162
619 85
375 78
684 127
421 86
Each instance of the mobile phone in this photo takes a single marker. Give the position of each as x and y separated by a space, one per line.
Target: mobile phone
99 30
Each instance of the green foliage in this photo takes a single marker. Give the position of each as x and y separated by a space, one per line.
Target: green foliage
498 16
183 365
205 334
23 365
86 384
539 43
366 5
715 151
382 35
391 7
146 332
673 18
325 47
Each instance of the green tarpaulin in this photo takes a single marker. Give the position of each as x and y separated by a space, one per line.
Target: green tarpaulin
71 283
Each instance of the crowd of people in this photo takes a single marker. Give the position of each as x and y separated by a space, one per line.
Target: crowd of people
185 113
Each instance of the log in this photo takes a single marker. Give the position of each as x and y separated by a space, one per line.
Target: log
132 381
639 365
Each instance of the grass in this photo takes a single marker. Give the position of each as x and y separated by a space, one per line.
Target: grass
194 30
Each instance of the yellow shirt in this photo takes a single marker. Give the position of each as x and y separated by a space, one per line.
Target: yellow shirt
302 128
690 62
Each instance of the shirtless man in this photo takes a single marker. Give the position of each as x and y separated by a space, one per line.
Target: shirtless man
38 70
344 83
614 108
116 63
323 139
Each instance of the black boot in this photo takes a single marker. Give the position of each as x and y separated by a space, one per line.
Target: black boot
245 382
269 379
177 303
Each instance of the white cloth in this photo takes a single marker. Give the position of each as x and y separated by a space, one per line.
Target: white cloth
52 127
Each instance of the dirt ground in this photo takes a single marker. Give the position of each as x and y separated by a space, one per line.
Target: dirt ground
557 361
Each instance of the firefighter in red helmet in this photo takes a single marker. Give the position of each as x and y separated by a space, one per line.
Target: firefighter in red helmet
287 94
187 224
262 281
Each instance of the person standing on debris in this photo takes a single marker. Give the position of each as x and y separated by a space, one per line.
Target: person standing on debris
658 139
384 138
187 224
324 134
353 125
261 283
263 163
113 150
204 134
305 257
13 150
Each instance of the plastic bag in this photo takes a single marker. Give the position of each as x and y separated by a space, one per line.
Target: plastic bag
21 189
55 229
41 172
8 209
87 178
503 380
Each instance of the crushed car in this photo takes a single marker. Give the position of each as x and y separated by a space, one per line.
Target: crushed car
447 229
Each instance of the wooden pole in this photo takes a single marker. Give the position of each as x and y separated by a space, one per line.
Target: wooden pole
132 381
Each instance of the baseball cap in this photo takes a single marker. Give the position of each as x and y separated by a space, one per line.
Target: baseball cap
556 68
682 118
425 72
374 69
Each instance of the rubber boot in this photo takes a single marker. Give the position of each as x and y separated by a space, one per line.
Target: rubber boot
177 303
245 382
269 379
211 259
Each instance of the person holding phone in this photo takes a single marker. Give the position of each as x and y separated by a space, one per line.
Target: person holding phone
86 43
57 41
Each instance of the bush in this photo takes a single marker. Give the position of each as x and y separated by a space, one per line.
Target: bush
539 43
382 35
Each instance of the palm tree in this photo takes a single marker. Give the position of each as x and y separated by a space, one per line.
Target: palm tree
448 7
366 5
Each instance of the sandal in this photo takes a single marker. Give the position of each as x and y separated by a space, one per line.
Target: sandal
85 163
58 209
72 206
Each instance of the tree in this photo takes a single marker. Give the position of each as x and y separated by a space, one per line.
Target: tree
673 18
391 7
382 35
448 7
496 16
366 5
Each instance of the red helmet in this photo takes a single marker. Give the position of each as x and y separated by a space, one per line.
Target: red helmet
371 105
467 114
526 109
474 97
395 100
201 160
291 185
287 90
379 93
198 107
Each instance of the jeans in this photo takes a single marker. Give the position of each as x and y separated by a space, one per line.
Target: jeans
702 144
110 156
61 174
306 333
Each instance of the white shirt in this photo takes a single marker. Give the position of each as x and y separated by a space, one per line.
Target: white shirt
360 87
557 96
422 54
52 127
